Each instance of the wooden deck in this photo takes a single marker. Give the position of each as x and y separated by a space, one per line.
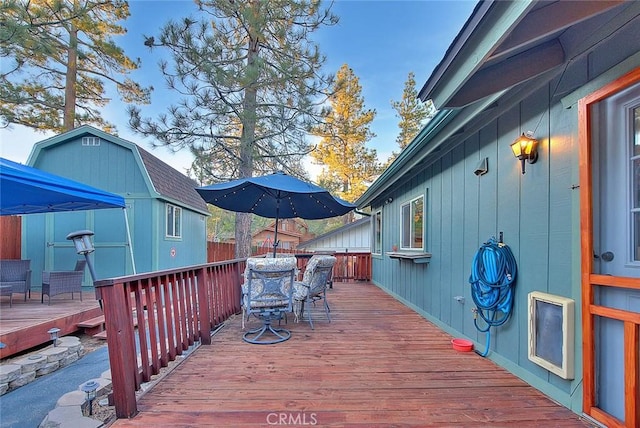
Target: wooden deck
25 324
377 364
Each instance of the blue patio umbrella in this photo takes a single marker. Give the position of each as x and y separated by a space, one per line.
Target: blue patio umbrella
276 195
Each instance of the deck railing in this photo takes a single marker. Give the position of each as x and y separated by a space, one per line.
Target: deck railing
154 317
349 266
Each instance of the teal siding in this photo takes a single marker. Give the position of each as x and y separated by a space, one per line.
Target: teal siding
193 227
109 166
115 168
537 212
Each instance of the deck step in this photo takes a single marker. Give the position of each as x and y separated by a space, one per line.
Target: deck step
93 326
101 335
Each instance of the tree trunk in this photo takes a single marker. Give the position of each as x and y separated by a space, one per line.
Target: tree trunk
243 220
70 83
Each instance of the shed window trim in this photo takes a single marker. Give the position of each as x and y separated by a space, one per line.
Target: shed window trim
173 221
91 141
412 221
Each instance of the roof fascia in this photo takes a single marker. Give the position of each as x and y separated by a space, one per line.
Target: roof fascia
489 25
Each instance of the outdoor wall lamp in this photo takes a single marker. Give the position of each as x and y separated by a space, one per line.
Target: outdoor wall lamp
525 148
53 333
90 389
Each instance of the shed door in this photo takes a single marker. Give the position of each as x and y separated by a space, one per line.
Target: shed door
616 244
111 257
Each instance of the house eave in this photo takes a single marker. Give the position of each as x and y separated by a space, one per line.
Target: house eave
506 43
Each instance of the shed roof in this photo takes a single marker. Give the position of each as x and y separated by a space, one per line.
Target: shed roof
171 183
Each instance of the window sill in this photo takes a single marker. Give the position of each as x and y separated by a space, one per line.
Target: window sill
415 257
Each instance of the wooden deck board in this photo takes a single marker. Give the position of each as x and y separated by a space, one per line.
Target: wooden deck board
25 324
377 363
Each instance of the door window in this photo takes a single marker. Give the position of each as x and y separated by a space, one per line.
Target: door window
635 183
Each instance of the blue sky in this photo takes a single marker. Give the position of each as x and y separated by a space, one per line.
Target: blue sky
382 41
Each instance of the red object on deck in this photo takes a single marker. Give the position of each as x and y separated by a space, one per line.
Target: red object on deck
462 345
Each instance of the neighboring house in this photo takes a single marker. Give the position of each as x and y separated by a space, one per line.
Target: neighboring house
165 215
569 72
354 237
291 231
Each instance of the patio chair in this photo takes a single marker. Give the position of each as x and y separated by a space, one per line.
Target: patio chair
268 295
61 282
81 264
15 277
313 287
6 290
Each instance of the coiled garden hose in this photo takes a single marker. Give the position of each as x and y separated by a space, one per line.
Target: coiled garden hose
492 279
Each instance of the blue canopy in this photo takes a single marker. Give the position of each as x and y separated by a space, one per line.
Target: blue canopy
27 190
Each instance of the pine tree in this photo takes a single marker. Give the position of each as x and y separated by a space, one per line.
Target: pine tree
58 56
412 114
344 133
250 84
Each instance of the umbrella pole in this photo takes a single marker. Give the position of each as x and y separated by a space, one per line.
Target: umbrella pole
275 235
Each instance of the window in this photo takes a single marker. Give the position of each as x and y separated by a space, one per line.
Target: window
377 232
90 141
635 184
174 221
412 221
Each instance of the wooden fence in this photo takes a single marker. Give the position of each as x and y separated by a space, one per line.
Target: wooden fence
220 251
10 232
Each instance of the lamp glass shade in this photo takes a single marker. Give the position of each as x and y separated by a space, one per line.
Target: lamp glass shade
524 147
88 246
83 244
79 244
529 146
516 148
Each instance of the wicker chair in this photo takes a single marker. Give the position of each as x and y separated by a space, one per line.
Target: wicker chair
60 282
6 290
80 265
313 287
15 277
268 295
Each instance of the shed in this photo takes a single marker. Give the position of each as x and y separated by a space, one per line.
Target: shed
352 237
568 72
167 217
